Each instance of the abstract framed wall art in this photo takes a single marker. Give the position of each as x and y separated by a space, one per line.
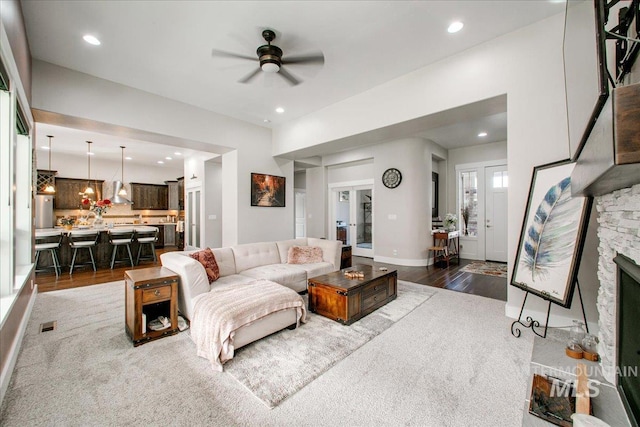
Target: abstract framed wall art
267 190
552 235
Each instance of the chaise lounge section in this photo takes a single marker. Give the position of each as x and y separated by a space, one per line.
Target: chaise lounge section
247 264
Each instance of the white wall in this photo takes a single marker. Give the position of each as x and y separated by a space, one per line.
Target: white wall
300 180
77 95
525 64
346 172
316 202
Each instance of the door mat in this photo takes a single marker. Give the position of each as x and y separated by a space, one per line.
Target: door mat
487 268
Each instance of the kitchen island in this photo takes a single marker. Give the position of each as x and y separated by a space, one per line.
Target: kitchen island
101 252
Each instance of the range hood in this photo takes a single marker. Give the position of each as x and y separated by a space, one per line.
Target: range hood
610 158
116 198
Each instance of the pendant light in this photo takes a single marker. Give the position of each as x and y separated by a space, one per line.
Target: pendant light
50 188
89 189
119 192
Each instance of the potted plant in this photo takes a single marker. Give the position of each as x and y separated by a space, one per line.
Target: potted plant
67 222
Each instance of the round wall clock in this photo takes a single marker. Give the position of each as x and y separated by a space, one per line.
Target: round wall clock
391 178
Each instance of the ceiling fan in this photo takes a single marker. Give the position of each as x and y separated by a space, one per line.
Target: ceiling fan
271 60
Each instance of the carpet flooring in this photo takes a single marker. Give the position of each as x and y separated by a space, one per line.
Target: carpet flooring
276 367
450 362
487 268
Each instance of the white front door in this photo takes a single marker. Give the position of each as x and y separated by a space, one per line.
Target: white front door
300 212
192 216
496 185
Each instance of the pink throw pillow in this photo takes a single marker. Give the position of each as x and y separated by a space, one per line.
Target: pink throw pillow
304 254
208 261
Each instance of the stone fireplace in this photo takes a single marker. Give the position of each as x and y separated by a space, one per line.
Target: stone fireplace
618 233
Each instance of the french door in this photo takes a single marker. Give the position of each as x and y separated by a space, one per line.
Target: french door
352 219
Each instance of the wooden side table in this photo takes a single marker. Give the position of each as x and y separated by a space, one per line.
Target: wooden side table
152 292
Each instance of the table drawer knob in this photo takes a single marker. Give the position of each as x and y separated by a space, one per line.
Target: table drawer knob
156 292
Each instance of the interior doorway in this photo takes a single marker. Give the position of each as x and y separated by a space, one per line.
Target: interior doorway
352 218
300 213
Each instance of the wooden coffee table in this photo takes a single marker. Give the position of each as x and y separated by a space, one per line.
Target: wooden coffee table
346 300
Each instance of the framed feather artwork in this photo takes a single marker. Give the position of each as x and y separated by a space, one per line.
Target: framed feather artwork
552 235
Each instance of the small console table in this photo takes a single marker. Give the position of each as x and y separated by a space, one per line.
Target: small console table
450 240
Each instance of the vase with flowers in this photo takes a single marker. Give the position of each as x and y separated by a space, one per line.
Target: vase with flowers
98 208
67 222
450 221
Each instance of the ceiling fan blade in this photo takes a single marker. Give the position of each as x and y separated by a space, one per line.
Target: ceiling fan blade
250 76
223 54
288 77
317 58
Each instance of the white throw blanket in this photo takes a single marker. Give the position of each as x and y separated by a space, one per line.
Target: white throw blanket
219 313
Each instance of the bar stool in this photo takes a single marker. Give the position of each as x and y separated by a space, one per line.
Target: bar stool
48 240
440 248
121 237
147 237
83 239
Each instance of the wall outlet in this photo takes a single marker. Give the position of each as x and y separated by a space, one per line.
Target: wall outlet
213 217
395 252
392 217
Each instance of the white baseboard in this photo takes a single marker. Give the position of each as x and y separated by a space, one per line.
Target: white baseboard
13 352
401 261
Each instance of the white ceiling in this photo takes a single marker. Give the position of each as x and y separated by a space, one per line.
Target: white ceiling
164 47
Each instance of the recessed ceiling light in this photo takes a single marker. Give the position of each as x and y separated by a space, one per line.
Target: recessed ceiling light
168 158
279 110
177 153
45 147
91 39
482 134
455 27
267 120
160 162
128 158
90 153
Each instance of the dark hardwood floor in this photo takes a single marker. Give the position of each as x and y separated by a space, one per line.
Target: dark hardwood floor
85 276
447 278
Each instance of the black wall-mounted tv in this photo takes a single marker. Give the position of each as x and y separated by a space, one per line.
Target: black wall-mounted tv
585 71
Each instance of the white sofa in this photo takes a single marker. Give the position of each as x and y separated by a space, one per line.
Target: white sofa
245 263
248 262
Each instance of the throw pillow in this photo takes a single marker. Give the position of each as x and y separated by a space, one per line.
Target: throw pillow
304 254
208 261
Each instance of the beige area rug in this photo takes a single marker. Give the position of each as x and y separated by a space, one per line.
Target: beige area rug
278 366
487 268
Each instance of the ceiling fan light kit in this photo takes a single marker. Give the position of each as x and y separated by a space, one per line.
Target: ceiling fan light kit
270 58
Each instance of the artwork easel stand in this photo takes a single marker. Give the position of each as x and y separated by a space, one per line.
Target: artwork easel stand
533 324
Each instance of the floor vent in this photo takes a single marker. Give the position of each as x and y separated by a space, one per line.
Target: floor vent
48 326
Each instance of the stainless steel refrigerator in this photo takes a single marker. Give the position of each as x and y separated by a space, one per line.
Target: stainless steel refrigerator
44 211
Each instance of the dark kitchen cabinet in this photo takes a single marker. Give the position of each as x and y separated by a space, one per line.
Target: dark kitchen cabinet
172 188
181 193
69 192
149 196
